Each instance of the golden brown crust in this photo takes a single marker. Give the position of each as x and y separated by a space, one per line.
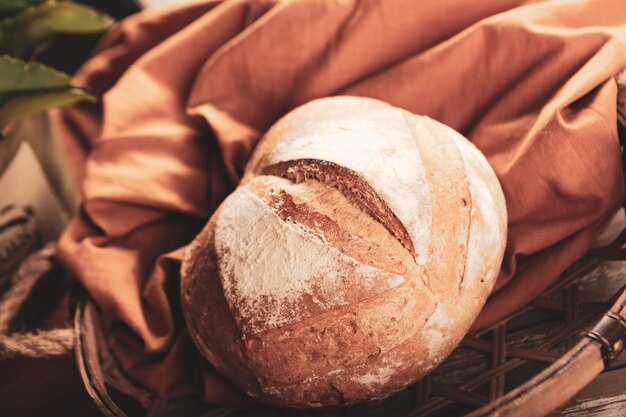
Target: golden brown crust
305 288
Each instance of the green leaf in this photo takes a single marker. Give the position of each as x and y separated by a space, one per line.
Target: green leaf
66 18
33 103
8 7
20 34
19 76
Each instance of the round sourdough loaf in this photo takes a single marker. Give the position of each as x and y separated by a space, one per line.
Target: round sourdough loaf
355 254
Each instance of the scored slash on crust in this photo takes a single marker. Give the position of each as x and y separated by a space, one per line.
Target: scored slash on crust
355 190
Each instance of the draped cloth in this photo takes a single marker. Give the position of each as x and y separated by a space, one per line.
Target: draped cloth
188 91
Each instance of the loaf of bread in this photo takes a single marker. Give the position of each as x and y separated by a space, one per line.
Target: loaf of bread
355 254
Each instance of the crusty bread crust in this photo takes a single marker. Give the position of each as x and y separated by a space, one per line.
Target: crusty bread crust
353 257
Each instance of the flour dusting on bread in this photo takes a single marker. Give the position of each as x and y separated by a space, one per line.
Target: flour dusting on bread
370 138
281 269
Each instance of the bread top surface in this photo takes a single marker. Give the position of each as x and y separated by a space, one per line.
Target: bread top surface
346 198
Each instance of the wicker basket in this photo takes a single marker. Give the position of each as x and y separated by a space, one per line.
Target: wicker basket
529 364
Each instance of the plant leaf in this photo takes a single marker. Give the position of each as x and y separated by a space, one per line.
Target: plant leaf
67 18
8 7
20 34
33 103
19 76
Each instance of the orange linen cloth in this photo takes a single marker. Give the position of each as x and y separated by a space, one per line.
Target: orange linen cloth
187 92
